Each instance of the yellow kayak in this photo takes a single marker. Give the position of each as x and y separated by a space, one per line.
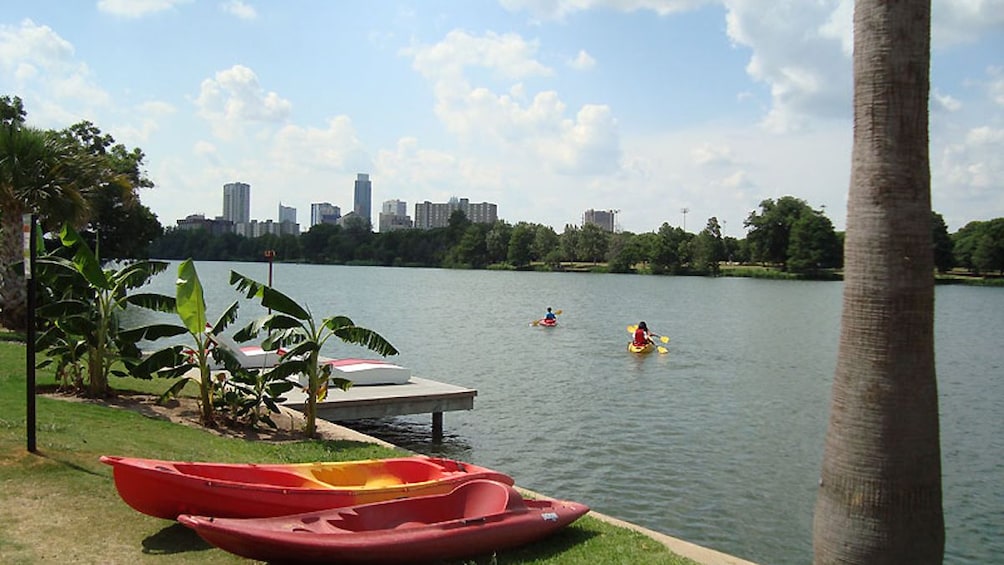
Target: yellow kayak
641 350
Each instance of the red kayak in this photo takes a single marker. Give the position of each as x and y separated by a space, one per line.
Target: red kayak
166 489
476 518
549 322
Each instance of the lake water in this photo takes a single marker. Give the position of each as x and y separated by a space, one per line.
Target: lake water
718 443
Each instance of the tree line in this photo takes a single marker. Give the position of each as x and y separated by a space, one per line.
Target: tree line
786 234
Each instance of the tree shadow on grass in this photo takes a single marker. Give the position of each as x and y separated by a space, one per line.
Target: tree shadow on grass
173 539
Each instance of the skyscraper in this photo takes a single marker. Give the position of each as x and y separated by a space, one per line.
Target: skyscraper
237 202
324 212
287 214
364 197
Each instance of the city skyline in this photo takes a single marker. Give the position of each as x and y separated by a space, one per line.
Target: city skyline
545 108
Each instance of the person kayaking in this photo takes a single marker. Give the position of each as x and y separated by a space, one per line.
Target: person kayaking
550 317
641 335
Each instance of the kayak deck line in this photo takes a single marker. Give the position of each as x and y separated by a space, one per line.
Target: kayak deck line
417 396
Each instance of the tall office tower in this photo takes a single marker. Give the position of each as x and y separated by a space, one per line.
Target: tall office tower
364 197
324 213
287 214
237 202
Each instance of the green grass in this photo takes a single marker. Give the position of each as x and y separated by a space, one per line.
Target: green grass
60 505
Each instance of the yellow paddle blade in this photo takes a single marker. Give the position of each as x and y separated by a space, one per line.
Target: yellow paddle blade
631 329
557 312
664 339
535 322
663 350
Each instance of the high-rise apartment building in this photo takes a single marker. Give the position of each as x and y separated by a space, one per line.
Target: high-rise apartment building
324 213
606 219
363 203
430 215
287 214
394 216
237 202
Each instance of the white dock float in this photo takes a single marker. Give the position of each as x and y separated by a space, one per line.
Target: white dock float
417 396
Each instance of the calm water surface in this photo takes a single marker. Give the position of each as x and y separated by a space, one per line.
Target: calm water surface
719 442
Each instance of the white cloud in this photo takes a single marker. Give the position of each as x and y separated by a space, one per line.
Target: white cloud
239 9
335 148
996 85
582 62
40 66
963 21
558 9
137 8
946 101
800 51
538 129
233 98
711 155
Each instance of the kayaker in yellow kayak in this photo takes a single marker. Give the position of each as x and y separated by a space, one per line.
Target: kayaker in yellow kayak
641 335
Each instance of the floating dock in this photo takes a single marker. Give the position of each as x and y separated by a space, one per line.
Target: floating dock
417 396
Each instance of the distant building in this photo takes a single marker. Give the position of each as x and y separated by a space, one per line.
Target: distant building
394 216
258 229
324 213
606 219
287 214
430 215
237 202
363 202
219 226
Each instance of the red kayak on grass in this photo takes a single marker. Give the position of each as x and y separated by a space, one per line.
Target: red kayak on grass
476 518
166 489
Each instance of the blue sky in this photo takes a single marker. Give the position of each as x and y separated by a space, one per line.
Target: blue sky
546 108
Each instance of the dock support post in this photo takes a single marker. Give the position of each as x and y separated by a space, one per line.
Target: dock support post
437 427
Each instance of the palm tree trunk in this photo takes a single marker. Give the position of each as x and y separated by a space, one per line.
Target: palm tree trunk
879 498
13 292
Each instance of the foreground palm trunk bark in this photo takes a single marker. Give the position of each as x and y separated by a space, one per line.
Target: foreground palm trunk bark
879 498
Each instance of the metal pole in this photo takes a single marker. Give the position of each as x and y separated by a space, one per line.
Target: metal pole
28 225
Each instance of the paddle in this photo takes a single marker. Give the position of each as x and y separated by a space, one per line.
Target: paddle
662 338
537 322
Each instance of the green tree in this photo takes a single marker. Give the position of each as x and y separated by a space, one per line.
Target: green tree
666 252
119 227
40 172
769 232
624 251
944 259
497 241
989 252
880 495
709 249
570 243
593 242
520 244
813 244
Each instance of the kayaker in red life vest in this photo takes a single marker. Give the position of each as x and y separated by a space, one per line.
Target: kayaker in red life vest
641 336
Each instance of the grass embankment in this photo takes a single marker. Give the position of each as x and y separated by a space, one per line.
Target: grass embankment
59 505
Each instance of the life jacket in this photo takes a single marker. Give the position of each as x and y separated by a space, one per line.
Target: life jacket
640 337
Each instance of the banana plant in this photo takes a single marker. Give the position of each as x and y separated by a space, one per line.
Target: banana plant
83 306
239 391
291 327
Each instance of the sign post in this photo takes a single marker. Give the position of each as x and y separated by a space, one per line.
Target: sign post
28 229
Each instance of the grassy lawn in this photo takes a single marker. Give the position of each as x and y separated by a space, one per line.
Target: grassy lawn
60 505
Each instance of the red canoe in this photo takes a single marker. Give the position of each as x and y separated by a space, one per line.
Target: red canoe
476 518
166 489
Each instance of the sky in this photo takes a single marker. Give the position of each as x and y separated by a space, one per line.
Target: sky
666 111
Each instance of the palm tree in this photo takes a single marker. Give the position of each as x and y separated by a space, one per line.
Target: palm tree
879 498
43 173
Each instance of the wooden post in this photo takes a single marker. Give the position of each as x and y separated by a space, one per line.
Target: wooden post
437 427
